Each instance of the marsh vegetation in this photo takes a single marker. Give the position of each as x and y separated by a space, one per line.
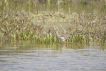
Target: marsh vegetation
36 20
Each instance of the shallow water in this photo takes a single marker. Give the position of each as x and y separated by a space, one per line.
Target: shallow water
60 58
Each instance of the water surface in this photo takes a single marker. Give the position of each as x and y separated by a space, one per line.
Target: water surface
51 58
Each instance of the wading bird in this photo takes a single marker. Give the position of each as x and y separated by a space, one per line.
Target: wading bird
63 37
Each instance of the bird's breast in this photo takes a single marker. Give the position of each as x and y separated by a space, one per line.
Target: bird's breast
62 38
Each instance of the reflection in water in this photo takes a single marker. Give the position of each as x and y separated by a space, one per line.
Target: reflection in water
32 57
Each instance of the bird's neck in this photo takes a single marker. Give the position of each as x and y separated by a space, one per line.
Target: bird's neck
57 33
